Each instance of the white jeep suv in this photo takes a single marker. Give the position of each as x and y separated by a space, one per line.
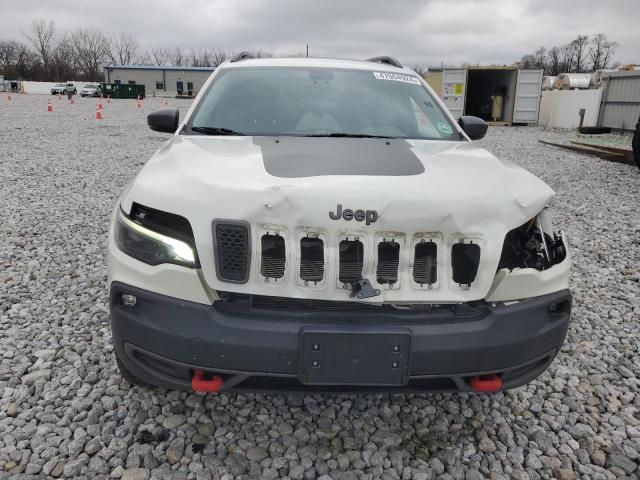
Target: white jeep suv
328 225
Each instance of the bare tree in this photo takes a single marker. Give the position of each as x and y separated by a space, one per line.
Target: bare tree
63 65
90 50
527 62
601 51
176 57
8 52
568 56
260 53
218 56
553 61
160 56
26 61
540 57
123 49
579 46
42 37
200 57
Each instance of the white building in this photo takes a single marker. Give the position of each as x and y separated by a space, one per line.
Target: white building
159 80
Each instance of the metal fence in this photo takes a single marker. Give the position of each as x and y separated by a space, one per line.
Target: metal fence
620 104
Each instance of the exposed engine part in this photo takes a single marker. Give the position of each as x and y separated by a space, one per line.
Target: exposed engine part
532 245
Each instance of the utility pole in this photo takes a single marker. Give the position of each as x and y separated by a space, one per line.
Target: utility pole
307 50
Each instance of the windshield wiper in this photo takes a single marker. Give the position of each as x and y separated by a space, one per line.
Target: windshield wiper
215 131
346 135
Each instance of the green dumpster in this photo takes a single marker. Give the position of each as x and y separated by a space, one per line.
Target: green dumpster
122 90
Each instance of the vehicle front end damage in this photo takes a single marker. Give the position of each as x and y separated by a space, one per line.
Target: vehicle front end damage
228 272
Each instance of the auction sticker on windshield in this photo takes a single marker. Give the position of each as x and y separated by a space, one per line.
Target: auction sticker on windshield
396 77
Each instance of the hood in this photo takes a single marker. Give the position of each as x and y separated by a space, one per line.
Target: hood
455 184
456 189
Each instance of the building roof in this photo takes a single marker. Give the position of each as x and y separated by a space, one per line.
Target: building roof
160 67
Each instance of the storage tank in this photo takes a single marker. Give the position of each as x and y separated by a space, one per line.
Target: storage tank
572 81
548 81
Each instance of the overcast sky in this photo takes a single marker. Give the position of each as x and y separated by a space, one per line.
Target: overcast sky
425 32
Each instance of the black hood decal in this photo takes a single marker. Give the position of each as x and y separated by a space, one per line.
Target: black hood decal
293 157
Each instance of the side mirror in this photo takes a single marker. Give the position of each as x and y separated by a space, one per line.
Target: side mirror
164 120
474 127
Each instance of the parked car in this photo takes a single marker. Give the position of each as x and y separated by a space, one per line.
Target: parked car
63 88
91 91
58 88
328 225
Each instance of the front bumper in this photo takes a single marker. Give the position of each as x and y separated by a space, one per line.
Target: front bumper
163 340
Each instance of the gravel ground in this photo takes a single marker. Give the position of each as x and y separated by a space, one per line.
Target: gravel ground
65 412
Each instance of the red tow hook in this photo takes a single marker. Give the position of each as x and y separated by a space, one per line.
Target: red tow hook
486 383
199 384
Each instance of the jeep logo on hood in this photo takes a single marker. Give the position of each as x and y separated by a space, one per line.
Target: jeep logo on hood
369 216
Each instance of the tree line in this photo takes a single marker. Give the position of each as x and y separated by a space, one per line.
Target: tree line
49 54
582 54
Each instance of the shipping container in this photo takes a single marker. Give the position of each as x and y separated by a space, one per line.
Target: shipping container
495 94
620 104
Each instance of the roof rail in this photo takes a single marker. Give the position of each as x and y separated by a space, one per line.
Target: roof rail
385 60
241 56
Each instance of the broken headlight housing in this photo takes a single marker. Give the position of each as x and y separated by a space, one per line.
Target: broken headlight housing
533 245
156 237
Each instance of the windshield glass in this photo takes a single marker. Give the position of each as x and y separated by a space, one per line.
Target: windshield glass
321 101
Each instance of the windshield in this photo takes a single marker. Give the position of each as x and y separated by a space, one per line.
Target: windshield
89 86
319 102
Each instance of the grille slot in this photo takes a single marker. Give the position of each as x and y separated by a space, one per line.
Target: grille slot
425 263
232 249
273 259
465 259
351 260
311 259
388 262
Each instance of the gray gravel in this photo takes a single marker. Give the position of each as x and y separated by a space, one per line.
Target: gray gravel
64 411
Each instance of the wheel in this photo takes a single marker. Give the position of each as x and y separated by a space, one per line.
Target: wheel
636 144
594 130
64 92
75 91
130 378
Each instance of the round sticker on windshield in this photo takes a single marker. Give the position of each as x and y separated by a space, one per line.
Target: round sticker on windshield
444 128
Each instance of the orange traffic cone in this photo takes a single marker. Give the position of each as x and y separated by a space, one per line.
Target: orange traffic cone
98 113
109 99
49 106
100 105
139 104
8 97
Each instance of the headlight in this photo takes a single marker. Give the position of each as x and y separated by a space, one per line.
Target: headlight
533 245
136 239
